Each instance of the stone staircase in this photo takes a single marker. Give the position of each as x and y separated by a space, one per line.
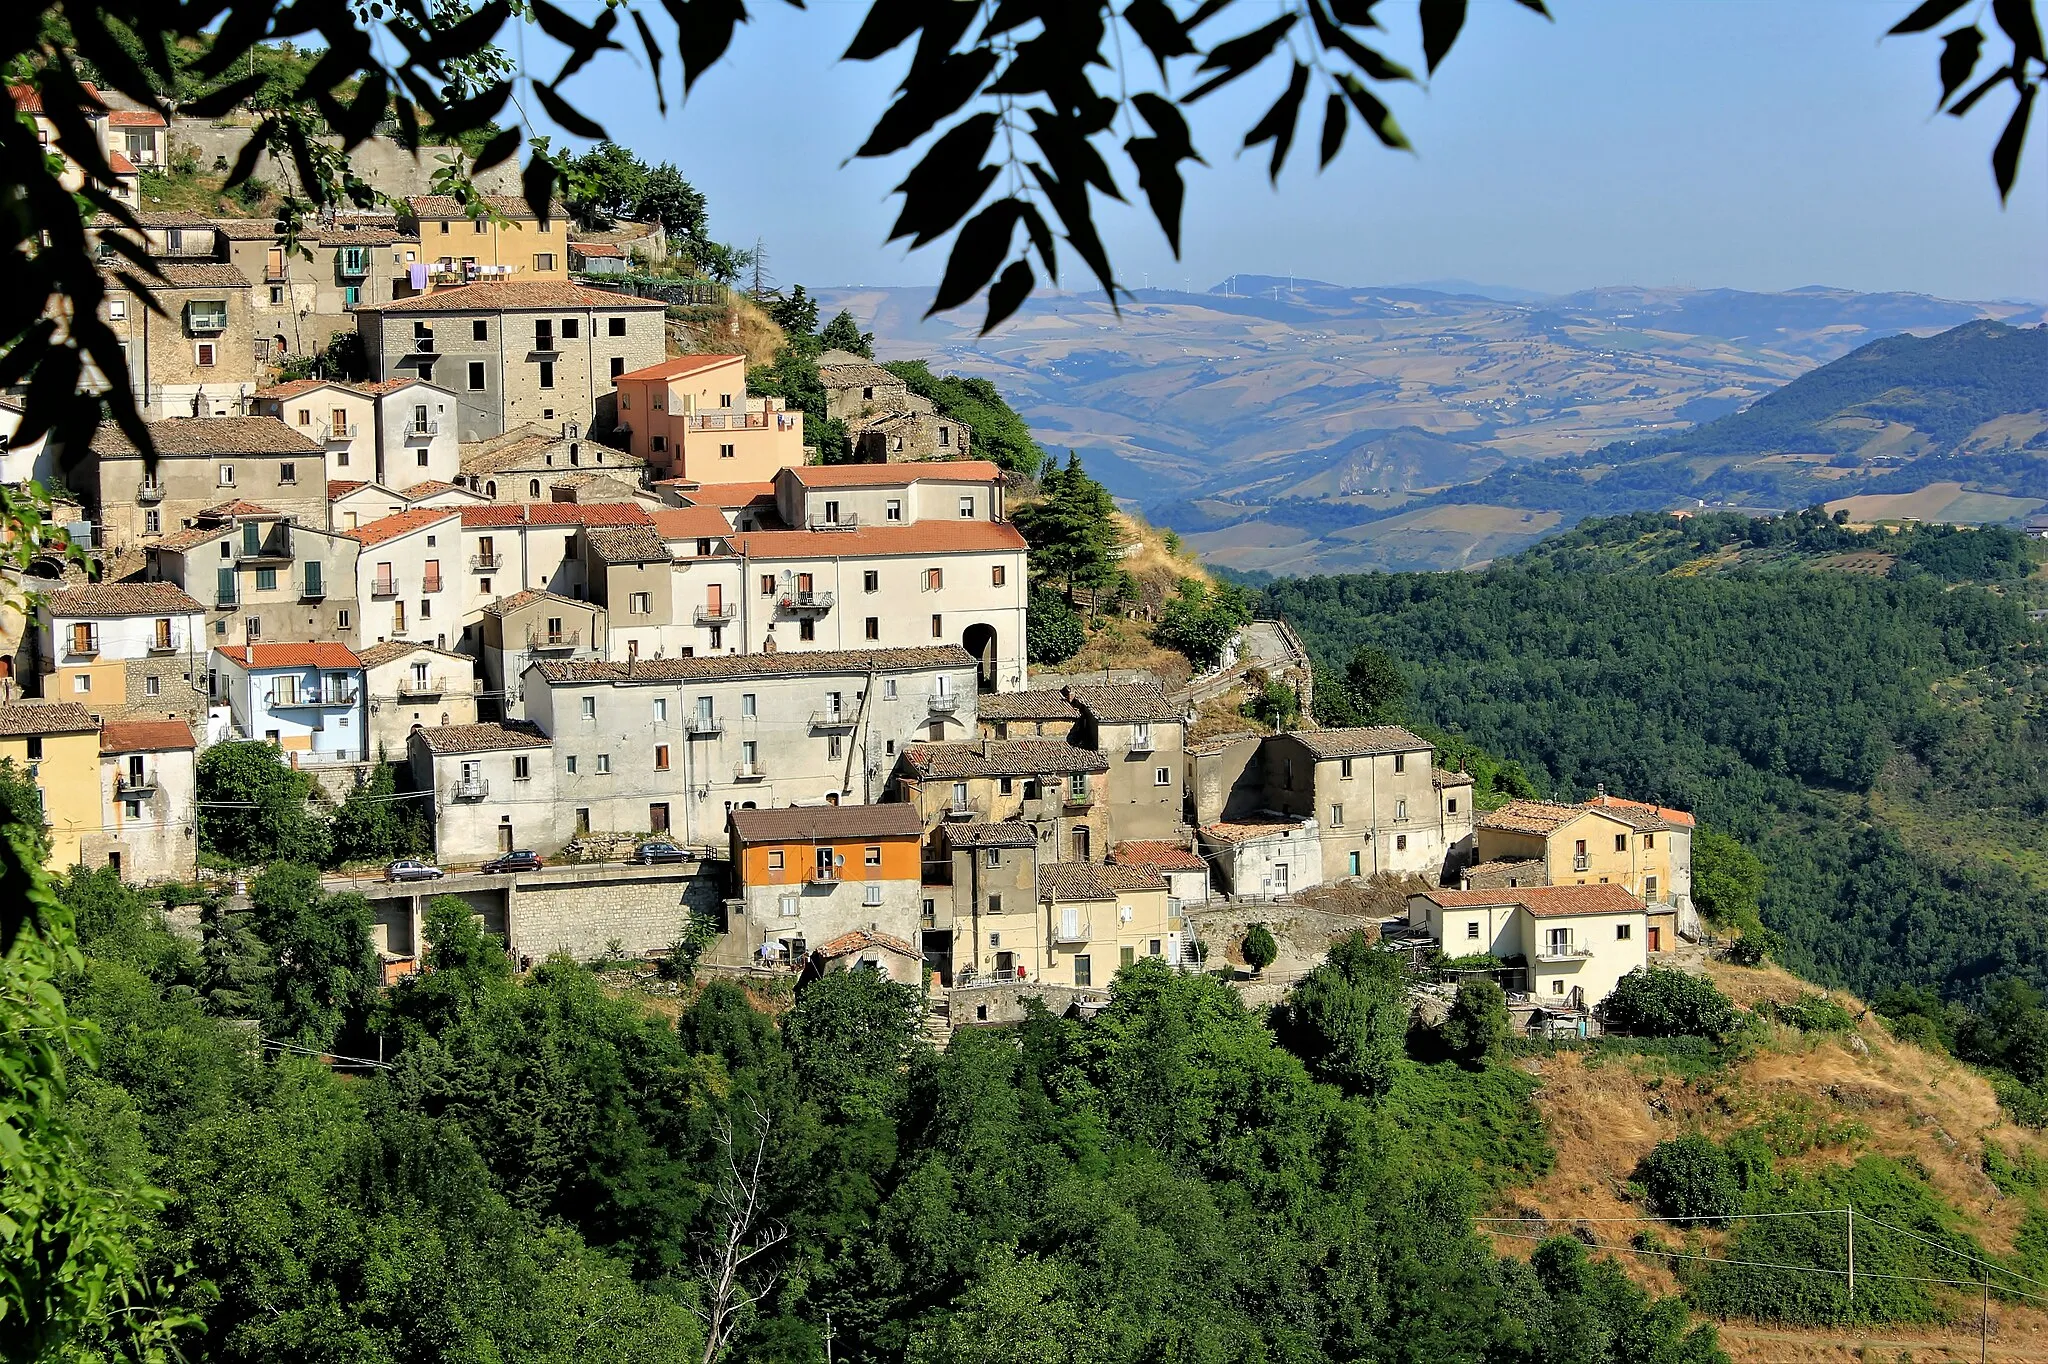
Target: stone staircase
938 1019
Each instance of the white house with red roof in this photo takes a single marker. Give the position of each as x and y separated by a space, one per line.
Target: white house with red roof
689 416
306 700
398 432
148 790
512 547
409 578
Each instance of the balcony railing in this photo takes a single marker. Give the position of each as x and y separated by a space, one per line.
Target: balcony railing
354 263
163 646
414 687
822 876
383 588
470 788
747 772
334 431
312 589
716 615
134 784
729 421
430 583
1078 799
310 699
277 548
1582 863
961 810
848 522
805 601
225 597
831 719
422 430
944 703
1568 950
699 725
1076 930
486 563
560 639
149 493
1141 740
76 646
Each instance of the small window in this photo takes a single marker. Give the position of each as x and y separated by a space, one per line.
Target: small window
1401 842
1400 762
203 352
767 584
661 757
726 451
569 764
615 325
747 705
479 330
998 574
640 604
894 510
1472 929
476 374
227 475
547 374
938 627
266 580
1649 842
806 630
871 581
872 627
1621 842
871 894
569 328
934 579
775 859
872 856
522 768
544 263
1162 776
590 707
81 682
1336 815
966 508
1624 932
152 685
1451 806
618 365
288 472
341 619
117 308
1344 767
604 763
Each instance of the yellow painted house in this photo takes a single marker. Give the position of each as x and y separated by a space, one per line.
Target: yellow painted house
1643 849
458 249
57 744
1100 918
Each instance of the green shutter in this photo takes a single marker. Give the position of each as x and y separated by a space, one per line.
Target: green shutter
312 577
225 587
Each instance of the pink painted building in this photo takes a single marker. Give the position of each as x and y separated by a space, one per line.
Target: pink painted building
690 417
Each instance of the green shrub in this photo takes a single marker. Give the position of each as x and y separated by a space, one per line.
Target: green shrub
1689 1177
1260 951
1660 1002
1477 1025
1814 1013
1052 630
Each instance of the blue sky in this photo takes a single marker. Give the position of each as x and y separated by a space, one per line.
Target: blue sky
1743 143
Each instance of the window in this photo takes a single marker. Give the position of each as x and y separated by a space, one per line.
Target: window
152 522
775 859
276 294
946 438
547 374
934 579
788 907
938 628
1621 842
888 689
1336 816
1400 842
544 262
569 325
998 574
1649 888
1472 929
871 857
871 581
1141 735
747 705
604 763
872 627
725 451
661 757
767 584
82 682
590 707
725 400
616 326
521 767
1624 932
1400 762
995 906
993 857
1344 768
660 444
1649 842
1451 806
966 508
152 685
806 630
288 472
266 580
227 477
341 619
569 764
618 365
479 330
1400 809
1162 776
640 604
582 819
1083 974
351 294
661 710
476 374
117 308
894 510
203 353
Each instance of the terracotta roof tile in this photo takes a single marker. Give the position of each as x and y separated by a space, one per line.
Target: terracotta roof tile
190 274
247 229
145 736
122 599
238 507
534 594
1632 809
730 496
437 206
802 823
678 365
1040 703
119 164
860 939
1069 881
1530 817
323 654
782 664
297 386
691 523
483 738
136 118
1007 833
433 487
1440 778
512 296
210 436
1127 703
399 523
1358 743
1544 902
342 487
895 475
45 717
1000 758
1156 853
557 514
919 537
1245 830
628 544
377 655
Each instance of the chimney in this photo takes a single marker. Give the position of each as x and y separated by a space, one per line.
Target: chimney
1465 881
987 749
1600 796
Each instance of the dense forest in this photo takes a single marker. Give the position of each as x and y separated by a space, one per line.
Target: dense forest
1878 740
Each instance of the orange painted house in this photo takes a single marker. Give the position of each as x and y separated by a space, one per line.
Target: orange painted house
690 417
808 874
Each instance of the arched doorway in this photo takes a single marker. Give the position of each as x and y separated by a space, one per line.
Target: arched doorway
980 640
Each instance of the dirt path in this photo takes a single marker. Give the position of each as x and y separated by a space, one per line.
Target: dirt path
2010 1340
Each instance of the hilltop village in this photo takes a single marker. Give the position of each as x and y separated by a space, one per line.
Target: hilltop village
646 668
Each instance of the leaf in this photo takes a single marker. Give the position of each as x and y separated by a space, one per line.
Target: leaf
1239 55
1441 20
1158 159
500 148
983 242
1990 82
1007 294
1959 52
1041 239
889 24
564 113
1374 113
230 96
1372 63
2005 157
1159 29
1335 120
1536 5
703 33
949 181
2016 19
653 50
1277 126
1355 13
928 95
1070 200
538 180
1926 16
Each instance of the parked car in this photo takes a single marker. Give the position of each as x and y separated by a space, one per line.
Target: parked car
659 850
522 860
412 869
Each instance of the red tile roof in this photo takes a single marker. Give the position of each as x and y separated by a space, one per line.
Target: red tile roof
120 165
295 387
724 494
399 523
511 296
678 365
557 514
895 475
432 487
29 100
919 537
383 386
238 507
1165 856
136 118
325 654
861 939
121 599
144 736
1663 812
342 487
690 523
1545 902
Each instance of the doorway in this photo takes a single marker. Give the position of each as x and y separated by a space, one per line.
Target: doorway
1656 939
980 640
1080 842
657 817
504 838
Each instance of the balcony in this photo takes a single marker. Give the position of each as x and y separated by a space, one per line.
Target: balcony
310 700
426 430
1566 950
1141 739
149 493
274 550
962 811
225 598
486 563
312 589
822 876
805 601
331 432
430 583
160 647
944 703
716 615
555 639
383 589
134 785
831 719
728 421
747 772
206 323
354 262
415 689
1582 863
470 788
699 726
848 522
82 646
1078 799
1072 930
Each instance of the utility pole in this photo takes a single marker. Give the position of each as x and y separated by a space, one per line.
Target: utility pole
1984 1326
1852 1256
828 1338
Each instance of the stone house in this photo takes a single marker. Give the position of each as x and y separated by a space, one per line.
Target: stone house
125 649
1139 731
1101 918
306 700
112 141
514 244
1054 787
148 786
352 503
338 417
532 463
669 745
408 577
1578 941
689 416
806 874
261 575
1644 849
1380 803
414 686
530 627
984 919
1186 873
198 356
1038 713
538 350
887 421
866 949
202 462
1264 856
56 745
494 789
301 299
533 546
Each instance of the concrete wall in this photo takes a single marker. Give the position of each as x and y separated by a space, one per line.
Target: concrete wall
577 910
386 165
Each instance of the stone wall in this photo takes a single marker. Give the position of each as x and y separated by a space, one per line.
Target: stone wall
644 915
984 1005
384 164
